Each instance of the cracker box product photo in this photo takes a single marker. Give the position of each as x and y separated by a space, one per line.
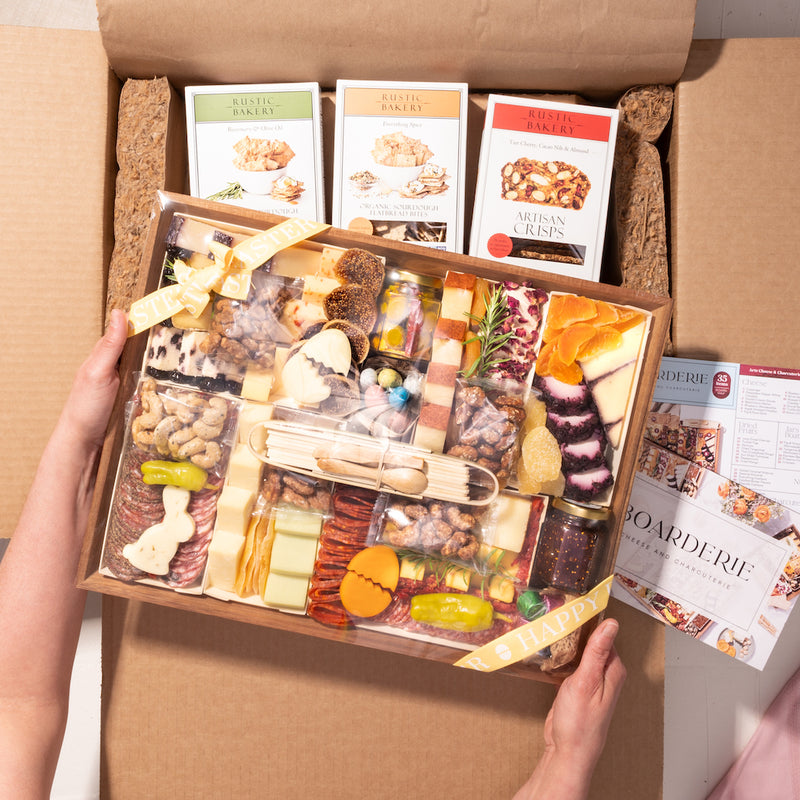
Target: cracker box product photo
399 161
257 146
543 185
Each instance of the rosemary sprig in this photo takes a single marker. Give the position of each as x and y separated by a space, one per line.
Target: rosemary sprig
487 334
233 191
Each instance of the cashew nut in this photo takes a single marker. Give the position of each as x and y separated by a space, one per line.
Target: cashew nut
210 457
162 432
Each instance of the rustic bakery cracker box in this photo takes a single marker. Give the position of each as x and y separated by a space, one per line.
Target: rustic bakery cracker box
399 161
543 185
259 146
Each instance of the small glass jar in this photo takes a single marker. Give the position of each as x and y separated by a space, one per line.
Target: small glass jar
408 308
570 542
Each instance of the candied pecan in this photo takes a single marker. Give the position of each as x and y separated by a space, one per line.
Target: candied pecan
463 451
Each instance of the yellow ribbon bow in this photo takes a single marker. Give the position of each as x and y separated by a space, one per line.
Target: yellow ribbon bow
229 274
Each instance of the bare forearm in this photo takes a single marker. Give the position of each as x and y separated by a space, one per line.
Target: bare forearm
40 608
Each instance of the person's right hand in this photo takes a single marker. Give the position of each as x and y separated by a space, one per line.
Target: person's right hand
576 726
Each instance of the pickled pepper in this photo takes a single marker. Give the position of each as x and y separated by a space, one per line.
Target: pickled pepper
175 473
453 612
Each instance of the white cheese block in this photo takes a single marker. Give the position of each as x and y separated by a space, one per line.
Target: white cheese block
244 469
437 394
234 506
447 351
611 396
293 555
286 591
501 589
458 579
223 558
512 522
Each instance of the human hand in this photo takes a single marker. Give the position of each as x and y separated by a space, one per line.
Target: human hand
91 398
576 726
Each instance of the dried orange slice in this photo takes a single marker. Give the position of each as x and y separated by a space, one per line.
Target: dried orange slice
606 314
566 310
628 318
570 342
543 359
603 340
566 373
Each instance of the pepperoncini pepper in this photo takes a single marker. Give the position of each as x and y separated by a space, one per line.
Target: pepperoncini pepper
453 612
175 473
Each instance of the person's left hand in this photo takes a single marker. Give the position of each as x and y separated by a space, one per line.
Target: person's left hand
91 398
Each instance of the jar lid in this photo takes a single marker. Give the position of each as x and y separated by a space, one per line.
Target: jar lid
577 510
412 277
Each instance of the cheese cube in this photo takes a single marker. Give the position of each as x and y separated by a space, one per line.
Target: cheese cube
250 415
501 589
234 506
293 555
244 469
447 351
298 522
412 569
223 558
257 384
286 591
458 579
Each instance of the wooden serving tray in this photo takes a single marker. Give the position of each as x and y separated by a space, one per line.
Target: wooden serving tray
403 256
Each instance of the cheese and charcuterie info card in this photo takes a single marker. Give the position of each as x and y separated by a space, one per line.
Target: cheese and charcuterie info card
713 558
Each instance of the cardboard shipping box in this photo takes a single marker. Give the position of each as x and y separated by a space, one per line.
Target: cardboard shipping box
207 707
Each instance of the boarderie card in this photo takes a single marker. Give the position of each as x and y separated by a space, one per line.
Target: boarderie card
711 558
257 146
399 161
544 177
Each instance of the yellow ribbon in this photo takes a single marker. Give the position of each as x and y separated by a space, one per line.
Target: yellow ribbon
228 275
540 633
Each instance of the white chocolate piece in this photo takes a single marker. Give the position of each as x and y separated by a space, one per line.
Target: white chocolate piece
157 546
244 469
286 591
224 553
234 506
302 382
331 348
293 555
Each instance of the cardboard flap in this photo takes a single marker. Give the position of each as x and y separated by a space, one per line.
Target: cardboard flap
580 46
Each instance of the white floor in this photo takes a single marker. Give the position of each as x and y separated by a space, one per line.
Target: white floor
712 704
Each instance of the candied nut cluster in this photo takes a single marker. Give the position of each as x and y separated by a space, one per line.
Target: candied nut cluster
244 332
182 425
298 490
432 527
548 183
488 427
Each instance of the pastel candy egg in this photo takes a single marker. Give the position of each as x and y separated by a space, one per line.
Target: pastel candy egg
398 397
374 395
388 378
368 377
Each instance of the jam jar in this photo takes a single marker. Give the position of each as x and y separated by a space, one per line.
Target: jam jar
570 541
407 311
